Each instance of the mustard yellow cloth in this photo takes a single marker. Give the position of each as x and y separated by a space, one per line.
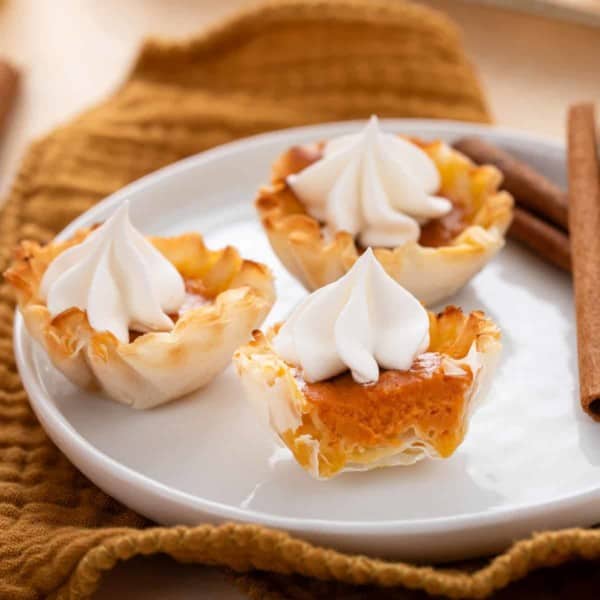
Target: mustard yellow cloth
276 65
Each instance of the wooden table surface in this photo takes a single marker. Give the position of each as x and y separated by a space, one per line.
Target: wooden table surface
531 67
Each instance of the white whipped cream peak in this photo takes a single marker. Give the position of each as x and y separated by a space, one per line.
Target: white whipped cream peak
375 185
361 322
118 277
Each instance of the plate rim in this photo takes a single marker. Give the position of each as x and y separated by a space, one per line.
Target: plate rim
74 445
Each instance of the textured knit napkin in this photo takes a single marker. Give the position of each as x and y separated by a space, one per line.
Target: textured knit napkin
273 66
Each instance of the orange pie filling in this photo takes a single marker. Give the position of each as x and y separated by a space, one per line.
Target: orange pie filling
434 233
196 295
352 421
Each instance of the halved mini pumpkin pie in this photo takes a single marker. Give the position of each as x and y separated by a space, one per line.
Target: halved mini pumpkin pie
148 320
345 416
433 217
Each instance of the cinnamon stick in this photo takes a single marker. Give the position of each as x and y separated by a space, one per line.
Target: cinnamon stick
9 83
584 224
544 239
530 189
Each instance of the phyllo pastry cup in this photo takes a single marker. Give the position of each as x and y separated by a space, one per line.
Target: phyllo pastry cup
340 425
226 298
449 251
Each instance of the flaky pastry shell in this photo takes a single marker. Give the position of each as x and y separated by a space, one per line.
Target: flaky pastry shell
156 367
316 257
467 345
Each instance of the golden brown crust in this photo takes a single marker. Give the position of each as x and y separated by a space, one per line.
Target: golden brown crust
430 273
453 333
465 343
158 366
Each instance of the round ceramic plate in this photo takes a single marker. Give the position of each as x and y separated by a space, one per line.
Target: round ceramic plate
530 461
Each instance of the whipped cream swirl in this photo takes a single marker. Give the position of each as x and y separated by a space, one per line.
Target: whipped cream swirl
363 321
374 185
118 278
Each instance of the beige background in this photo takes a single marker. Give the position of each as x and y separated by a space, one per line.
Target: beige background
74 52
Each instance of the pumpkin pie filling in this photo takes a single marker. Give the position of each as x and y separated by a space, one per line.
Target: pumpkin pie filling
349 418
434 233
196 296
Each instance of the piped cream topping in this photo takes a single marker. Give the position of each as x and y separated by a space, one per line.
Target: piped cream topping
362 322
118 278
375 185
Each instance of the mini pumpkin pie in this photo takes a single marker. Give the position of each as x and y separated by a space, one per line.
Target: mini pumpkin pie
433 218
362 376
146 320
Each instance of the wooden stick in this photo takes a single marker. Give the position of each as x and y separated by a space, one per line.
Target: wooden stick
551 243
9 83
584 225
530 189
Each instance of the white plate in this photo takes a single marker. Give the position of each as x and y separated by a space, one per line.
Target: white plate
531 459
